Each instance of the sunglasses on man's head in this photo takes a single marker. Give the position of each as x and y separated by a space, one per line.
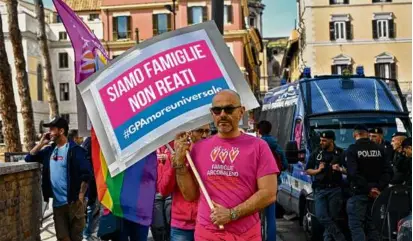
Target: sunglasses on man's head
217 110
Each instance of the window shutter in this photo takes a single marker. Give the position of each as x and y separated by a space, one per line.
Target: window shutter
349 33
189 12
155 24
333 69
169 20
377 70
129 27
229 13
332 35
115 28
393 71
375 35
392 32
204 14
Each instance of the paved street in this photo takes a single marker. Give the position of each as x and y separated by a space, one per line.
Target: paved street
289 230
286 230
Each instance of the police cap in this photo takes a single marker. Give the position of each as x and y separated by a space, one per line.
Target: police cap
399 134
376 130
328 135
407 142
361 127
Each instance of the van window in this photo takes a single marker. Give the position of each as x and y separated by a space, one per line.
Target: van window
343 128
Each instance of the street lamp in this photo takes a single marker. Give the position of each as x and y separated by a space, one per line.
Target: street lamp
172 9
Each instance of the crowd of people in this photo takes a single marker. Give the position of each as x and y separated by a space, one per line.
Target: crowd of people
239 171
371 165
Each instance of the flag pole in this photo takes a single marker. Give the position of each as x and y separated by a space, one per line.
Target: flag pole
201 184
198 178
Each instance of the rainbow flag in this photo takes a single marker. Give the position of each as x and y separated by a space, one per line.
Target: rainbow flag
130 194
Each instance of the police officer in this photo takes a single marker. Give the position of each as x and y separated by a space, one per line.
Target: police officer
403 169
396 142
369 173
326 166
376 136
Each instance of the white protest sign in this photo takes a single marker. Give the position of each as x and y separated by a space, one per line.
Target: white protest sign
159 88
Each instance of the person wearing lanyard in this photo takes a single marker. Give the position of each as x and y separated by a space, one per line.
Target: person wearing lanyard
326 166
65 176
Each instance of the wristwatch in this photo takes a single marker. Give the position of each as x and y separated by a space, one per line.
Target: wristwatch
234 214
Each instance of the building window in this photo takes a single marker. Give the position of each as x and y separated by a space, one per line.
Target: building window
39 82
228 14
93 16
252 22
341 69
58 19
341 64
332 2
66 117
62 36
340 28
385 66
1 133
161 23
382 1
197 14
63 61
383 26
122 28
64 91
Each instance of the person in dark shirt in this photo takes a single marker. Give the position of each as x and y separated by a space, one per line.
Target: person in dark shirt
403 169
326 166
264 129
369 173
396 142
376 136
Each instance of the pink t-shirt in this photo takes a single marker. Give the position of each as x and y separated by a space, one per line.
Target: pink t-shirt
230 169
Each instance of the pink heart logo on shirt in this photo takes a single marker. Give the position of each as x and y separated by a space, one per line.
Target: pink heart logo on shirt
214 153
223 155
233 154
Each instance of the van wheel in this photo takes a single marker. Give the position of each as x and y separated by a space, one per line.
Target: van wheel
312 228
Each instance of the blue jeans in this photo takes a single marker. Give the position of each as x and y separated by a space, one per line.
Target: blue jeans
178 234
328 203
91 219
360 220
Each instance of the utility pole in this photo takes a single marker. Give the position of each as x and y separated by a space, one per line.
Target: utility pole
174 12
172 9
218 14
137 35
